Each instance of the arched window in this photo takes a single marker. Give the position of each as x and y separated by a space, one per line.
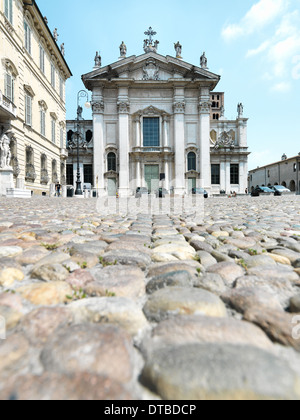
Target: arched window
88 136
70 136
192 166
111 162
54 172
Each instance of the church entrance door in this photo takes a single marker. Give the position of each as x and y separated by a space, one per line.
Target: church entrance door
192 184
112 187
152 177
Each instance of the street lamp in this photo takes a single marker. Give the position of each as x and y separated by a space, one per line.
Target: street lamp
81 94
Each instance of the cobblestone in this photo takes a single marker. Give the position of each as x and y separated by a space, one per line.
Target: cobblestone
147 302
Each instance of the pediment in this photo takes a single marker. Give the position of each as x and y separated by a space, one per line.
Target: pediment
151 110
150 67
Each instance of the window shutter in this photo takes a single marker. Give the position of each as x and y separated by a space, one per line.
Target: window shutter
6 9
11 11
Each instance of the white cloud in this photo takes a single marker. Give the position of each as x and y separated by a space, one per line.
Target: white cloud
282 87
261 14
280 54
263 47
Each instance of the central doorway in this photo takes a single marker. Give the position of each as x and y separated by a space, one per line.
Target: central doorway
192 184
152 177
112 187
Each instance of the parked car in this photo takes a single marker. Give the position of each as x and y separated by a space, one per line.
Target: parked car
161 193
200 191
140 191
265 190
280 190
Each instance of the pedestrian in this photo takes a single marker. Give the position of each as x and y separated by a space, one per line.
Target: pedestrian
246 191
58 189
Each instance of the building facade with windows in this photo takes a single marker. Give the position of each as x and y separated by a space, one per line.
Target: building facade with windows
33 73
285 172
153 126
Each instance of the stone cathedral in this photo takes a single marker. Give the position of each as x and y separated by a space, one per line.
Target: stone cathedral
159 122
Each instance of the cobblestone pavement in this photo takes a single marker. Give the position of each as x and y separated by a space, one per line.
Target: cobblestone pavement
150 307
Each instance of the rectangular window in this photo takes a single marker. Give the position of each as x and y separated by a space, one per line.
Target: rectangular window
28 110
9 87
42 59
151 132
9 10
88 174
235 174
52 76
215 174
61 88
43 123
62 143
27 34
70 174
53 131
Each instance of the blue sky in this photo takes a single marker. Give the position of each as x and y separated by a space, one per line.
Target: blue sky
253 44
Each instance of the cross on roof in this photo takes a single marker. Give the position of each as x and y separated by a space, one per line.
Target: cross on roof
150 33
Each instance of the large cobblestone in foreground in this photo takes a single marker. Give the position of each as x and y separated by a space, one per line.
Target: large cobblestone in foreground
93 304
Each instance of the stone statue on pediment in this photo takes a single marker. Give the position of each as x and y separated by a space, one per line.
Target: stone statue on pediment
98 59
203 61
123 50
62 49
55 35
178 49
240 110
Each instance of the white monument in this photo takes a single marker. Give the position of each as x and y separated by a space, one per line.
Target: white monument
6 171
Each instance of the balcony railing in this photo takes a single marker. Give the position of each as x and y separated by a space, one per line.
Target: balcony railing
7 105
64 153
152 149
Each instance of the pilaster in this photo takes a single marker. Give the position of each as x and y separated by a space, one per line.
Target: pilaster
123 105
204 123
98 118
179 140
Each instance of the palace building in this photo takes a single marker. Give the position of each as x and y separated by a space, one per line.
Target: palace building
158 122
33 72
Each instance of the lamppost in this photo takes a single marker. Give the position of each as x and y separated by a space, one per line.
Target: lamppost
81 94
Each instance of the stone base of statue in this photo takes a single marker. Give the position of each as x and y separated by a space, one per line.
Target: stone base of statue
6 180
17 193
7 185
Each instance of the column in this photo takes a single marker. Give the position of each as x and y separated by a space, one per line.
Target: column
179 111
204 122
165 130
223 176
98 121
167 173
123 108
242 176
138 174
228 181
138 131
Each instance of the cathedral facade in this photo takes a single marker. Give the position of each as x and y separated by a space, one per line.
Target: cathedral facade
158 122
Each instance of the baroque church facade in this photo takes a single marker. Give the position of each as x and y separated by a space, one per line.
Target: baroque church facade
158 122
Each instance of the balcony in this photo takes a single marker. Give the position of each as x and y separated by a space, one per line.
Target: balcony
64 154
7 109
152 150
